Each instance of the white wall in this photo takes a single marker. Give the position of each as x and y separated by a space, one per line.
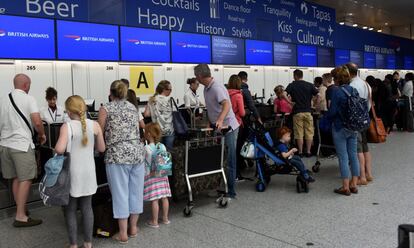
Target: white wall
93 79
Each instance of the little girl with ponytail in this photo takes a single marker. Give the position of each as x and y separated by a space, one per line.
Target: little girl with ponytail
80 136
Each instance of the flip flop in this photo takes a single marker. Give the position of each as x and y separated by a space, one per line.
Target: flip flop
133 235
166 222
118 239
152 225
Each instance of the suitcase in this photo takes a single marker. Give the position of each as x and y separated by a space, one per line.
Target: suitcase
104 226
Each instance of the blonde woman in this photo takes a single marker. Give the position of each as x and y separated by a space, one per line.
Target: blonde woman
124 159
80 136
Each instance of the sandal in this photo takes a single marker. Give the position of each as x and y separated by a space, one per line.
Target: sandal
166 222
370 179
118 239
149 224
354 190
342 191
363 182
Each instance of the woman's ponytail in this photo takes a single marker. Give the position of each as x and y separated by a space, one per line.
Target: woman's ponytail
83 123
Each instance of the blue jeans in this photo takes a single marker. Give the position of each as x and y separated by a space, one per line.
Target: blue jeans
231 144
126 183
168 141
297 162
346 149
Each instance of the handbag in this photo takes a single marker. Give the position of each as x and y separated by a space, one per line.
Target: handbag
180 126
248 150
54 188
376 132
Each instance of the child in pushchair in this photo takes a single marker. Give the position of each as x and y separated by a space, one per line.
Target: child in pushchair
284 136
270 161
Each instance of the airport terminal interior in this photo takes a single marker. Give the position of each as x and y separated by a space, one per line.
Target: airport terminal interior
222 123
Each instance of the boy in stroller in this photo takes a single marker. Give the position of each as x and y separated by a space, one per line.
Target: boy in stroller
284 137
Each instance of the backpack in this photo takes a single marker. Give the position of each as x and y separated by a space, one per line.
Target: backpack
356 115
161 162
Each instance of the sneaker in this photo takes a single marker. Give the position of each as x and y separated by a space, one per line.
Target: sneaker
310 179
308 155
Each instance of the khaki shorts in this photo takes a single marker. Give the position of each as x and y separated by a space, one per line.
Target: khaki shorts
303 126
18 164
362 146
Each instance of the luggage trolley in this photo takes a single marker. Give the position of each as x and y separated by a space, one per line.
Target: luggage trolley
321 144
204 156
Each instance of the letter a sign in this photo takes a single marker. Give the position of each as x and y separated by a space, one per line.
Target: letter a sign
141 80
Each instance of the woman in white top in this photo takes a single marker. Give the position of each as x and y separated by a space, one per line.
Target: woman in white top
53 113
191 99
80 136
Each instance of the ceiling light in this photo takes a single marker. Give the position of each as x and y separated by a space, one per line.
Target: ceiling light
355 1
342 23
379 30
386 24
364 27
355 25
370 29
350 14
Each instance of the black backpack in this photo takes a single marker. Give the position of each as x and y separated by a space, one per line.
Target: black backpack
356 116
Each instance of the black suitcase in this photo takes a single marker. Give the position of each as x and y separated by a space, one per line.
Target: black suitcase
104 226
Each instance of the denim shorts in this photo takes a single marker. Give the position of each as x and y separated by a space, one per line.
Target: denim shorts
127 188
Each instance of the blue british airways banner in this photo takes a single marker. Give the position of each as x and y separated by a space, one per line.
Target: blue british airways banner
279 20
288 21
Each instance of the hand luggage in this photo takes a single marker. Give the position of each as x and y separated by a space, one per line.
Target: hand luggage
376 131
104 226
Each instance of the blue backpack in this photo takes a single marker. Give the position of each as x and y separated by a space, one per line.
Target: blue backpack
161 162
356 116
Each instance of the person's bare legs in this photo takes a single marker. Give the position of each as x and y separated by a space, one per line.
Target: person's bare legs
155 212
354 182
21 192
362 162
123 230
308 146
165 209
299 143
133 224
345 184
368 165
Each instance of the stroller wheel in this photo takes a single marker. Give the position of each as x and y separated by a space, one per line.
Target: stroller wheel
223 202
267 179
316 167
260 187
299 185
305 186
188 211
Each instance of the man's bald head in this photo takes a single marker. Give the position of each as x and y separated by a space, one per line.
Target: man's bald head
22 82
353 69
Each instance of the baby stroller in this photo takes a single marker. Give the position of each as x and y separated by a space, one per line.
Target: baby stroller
270 162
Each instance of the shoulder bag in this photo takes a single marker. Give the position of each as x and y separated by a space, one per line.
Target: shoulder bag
180 126
54 188
23 117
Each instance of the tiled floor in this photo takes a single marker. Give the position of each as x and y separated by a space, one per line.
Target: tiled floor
279 217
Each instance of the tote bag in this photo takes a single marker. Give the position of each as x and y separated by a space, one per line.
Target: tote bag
180 126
